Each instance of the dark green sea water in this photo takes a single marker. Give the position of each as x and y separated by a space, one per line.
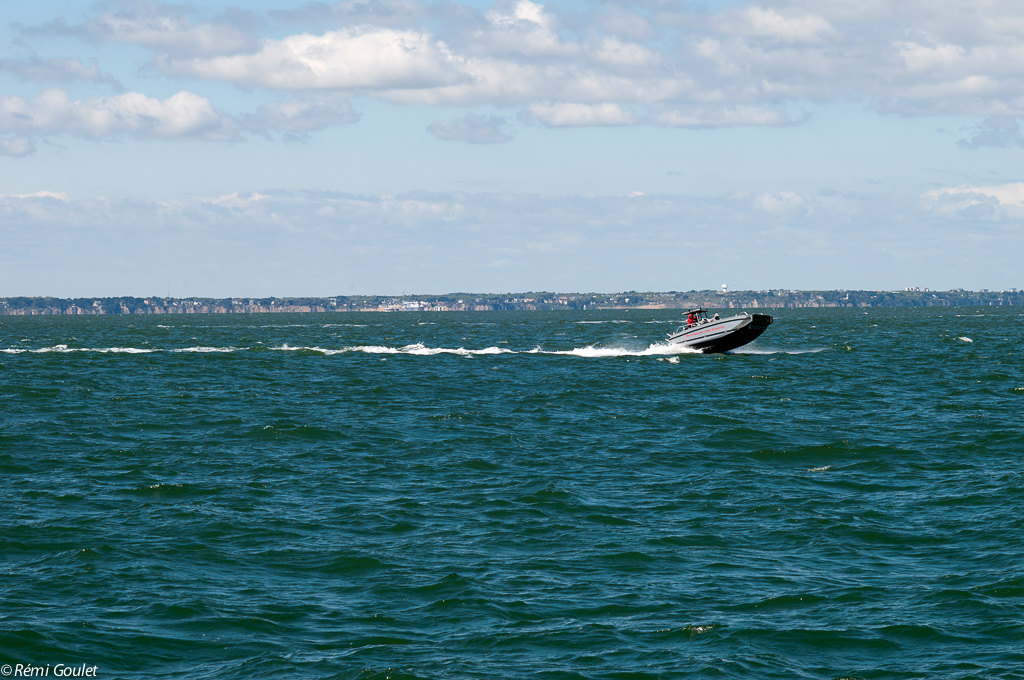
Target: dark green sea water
513 495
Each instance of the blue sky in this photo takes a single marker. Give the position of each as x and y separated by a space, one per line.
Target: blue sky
294 148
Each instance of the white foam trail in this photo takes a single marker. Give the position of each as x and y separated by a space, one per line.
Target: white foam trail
965 339
418 349
321 350
63 349
373 349
591 352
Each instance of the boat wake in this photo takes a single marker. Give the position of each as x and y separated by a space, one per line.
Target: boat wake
658 349
418 349
594 352
64 349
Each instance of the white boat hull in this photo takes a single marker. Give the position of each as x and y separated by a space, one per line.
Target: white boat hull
721 335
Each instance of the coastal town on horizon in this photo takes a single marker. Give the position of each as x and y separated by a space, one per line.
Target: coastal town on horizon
531 301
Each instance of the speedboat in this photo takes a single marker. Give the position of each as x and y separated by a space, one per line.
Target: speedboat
716 334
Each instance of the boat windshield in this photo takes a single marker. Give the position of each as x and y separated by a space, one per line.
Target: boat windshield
696 316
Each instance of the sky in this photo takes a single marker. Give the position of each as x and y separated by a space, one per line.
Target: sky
281 148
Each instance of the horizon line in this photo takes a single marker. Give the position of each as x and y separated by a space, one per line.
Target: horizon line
910 289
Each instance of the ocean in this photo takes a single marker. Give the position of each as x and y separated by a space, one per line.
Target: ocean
549 495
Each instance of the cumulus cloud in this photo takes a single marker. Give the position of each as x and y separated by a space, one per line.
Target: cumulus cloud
395 13
1003 194
719 116
16 146
606 114
472 128
183 115
163 26
622 62
302 115
994 131
525 28
56 195
509 56
571 115
778 25
358 58
734 66
58 70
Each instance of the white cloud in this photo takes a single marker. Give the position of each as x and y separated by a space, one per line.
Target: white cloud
472 128
567 115
55 70
56 195
164 27
994 131
746 60
616 52
919 58
525 28
1004 194
660 63
183 115
395 13
769 23
302 115
718 116
618 19
350 59
16 146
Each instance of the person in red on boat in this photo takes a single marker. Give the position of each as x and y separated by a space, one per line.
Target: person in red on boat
691 319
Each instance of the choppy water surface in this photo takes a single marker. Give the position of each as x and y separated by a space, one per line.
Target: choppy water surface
513 495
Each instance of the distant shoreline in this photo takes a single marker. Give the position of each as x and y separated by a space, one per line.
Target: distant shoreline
533 301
